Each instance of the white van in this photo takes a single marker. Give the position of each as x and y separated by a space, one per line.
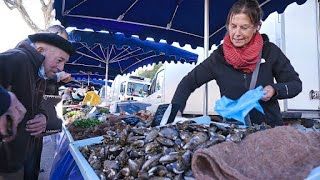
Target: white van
129 88
165 83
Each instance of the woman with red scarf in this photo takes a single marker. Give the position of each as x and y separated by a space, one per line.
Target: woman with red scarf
233 63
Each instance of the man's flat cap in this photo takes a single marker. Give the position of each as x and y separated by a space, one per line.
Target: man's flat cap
55 40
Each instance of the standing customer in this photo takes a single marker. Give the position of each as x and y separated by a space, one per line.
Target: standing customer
25 69
233 63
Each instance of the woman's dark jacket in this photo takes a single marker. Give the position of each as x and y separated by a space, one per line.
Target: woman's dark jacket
19 72
234 83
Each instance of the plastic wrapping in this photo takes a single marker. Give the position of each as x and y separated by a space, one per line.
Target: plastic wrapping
314 174
238 109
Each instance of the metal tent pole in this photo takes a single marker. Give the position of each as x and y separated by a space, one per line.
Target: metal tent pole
88 79
206 50
106 79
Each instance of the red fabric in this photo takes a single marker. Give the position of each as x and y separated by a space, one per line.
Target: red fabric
245 58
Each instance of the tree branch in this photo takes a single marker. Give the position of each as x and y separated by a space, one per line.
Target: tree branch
42 3
26 16
10 4
47 10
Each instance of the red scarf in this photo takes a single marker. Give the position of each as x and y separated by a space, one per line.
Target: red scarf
245 58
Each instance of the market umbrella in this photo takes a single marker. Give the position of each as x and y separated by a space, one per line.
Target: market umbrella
112 54
83 75
79 79
185 22
172 20
79 83
98 52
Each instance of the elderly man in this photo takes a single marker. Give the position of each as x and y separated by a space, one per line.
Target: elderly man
24 69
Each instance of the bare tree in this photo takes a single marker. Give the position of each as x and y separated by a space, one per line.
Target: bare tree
150 73
46 10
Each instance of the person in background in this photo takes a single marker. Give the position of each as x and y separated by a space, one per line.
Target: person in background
91 98
234 61
9 106
25 69
81 92
67 95
87 89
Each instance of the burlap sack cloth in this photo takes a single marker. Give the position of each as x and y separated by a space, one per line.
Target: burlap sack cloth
278 153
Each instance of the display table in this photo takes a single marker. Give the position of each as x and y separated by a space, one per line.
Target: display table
70 164
67 134
86 170
64 166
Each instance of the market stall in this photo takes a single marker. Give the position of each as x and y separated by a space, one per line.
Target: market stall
173 21
129 147
69 161
123 152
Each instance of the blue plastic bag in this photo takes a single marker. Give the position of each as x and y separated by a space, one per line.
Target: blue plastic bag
238 109
314 174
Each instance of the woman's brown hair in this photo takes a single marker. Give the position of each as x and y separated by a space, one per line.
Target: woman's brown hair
250 8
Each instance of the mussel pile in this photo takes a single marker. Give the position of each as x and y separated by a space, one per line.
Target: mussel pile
142 152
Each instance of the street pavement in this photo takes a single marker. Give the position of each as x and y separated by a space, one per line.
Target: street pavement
47 157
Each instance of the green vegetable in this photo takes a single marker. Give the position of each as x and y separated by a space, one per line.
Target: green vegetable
72 113
64 111
105 111
87 122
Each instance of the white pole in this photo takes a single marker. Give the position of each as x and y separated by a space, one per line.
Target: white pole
281 17
206 50
88 79
106 79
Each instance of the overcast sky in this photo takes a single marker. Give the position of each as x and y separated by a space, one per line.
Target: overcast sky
13 27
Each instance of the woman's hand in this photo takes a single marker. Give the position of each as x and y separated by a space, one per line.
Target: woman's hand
269 93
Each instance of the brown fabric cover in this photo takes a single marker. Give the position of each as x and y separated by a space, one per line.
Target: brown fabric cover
278 153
